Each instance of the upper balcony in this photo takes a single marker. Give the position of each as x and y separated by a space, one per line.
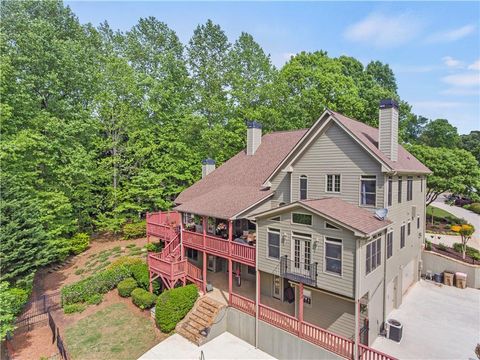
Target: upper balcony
298 271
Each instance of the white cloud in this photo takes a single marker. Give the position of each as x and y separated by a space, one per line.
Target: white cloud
475 65
452 35
460 91
384 30
463 80
451 62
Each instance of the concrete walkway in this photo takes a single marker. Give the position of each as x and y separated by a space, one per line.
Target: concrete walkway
225 346
439 322
459 212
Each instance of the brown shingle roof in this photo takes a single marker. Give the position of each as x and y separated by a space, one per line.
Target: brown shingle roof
239 180
368 136
348 214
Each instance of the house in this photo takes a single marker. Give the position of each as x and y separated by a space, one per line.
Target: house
317 232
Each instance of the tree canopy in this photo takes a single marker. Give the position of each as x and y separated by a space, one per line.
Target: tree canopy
100 126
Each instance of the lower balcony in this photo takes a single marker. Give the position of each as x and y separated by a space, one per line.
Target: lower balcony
298 271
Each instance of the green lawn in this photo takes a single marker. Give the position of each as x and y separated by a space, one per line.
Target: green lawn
112 333
440 213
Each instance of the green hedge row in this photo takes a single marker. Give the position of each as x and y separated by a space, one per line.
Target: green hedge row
475 207
141 276
99 283
173 305
143 299
134 230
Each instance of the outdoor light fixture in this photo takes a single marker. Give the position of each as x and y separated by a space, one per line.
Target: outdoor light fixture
205 331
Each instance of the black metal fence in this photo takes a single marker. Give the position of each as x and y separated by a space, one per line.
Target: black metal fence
56 337
35 311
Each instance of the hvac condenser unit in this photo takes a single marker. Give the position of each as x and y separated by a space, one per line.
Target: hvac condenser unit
394 330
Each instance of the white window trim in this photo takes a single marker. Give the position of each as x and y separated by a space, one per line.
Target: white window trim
386 245
308 236
360 192
303 213
333 184
328 228
300 186
375 238
279 232
400 236
338 242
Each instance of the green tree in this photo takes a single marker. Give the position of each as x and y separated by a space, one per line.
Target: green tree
454 170
471 142
440 133
382 75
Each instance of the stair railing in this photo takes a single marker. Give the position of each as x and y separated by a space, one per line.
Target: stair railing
171 247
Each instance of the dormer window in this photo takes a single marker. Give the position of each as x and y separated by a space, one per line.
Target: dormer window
303 187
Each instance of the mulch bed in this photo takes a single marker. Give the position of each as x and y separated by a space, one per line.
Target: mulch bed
455 255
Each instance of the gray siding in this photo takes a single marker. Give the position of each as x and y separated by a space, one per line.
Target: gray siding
281 184
343 285
335 152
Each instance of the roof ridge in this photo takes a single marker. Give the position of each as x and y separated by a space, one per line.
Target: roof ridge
285 131
358 121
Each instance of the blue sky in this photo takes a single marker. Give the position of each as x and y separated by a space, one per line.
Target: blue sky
433 48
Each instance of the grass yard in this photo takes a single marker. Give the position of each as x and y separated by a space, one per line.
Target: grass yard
112 333
439 213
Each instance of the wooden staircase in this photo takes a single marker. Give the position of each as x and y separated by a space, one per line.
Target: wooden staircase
201 317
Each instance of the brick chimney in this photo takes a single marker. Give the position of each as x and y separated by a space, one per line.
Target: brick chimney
208 165
254 136
388 128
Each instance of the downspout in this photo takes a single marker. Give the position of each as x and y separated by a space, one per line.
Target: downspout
385 278
357 300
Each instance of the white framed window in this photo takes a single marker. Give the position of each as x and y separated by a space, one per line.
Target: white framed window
273 239
418 222
330 226
409 188
192 254
389 244
333 256
303 187
374 254
402 236
409 228
300 218
400 185
333 183
390 191
368 190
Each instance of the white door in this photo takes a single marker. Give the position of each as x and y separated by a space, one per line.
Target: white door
408 276
301 254
391 296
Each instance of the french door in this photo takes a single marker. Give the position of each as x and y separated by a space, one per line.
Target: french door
301 253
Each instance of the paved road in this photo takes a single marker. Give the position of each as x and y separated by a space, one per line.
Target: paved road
468 215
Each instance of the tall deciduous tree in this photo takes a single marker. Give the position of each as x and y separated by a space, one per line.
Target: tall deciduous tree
471 142
440 133
454 170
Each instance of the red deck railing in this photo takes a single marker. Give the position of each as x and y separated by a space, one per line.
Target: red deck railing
242 303
193 239
216 245
166 267
367 353
327 340
278 319
244 252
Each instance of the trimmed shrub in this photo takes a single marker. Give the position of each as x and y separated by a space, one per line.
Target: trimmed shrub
153 247
95 299
441 246
125 287
475 207
428 245
73 308
470 251
99 283
141 276
79 243
173 305
143 299
126 261
134 230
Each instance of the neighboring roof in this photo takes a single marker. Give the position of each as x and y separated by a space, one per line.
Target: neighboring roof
368 136
242 174
338 211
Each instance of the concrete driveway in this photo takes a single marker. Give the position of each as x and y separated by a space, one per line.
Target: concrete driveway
439 322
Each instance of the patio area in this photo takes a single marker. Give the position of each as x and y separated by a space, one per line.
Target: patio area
439 322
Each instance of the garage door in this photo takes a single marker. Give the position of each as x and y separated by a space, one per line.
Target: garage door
391 295
408 276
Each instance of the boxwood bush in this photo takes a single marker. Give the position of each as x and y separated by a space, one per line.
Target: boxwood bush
79 243
173 305
143 299
73 308
125 287
134 230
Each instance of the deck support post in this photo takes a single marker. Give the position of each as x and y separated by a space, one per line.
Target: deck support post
230 270
204 225
300 302
257 306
